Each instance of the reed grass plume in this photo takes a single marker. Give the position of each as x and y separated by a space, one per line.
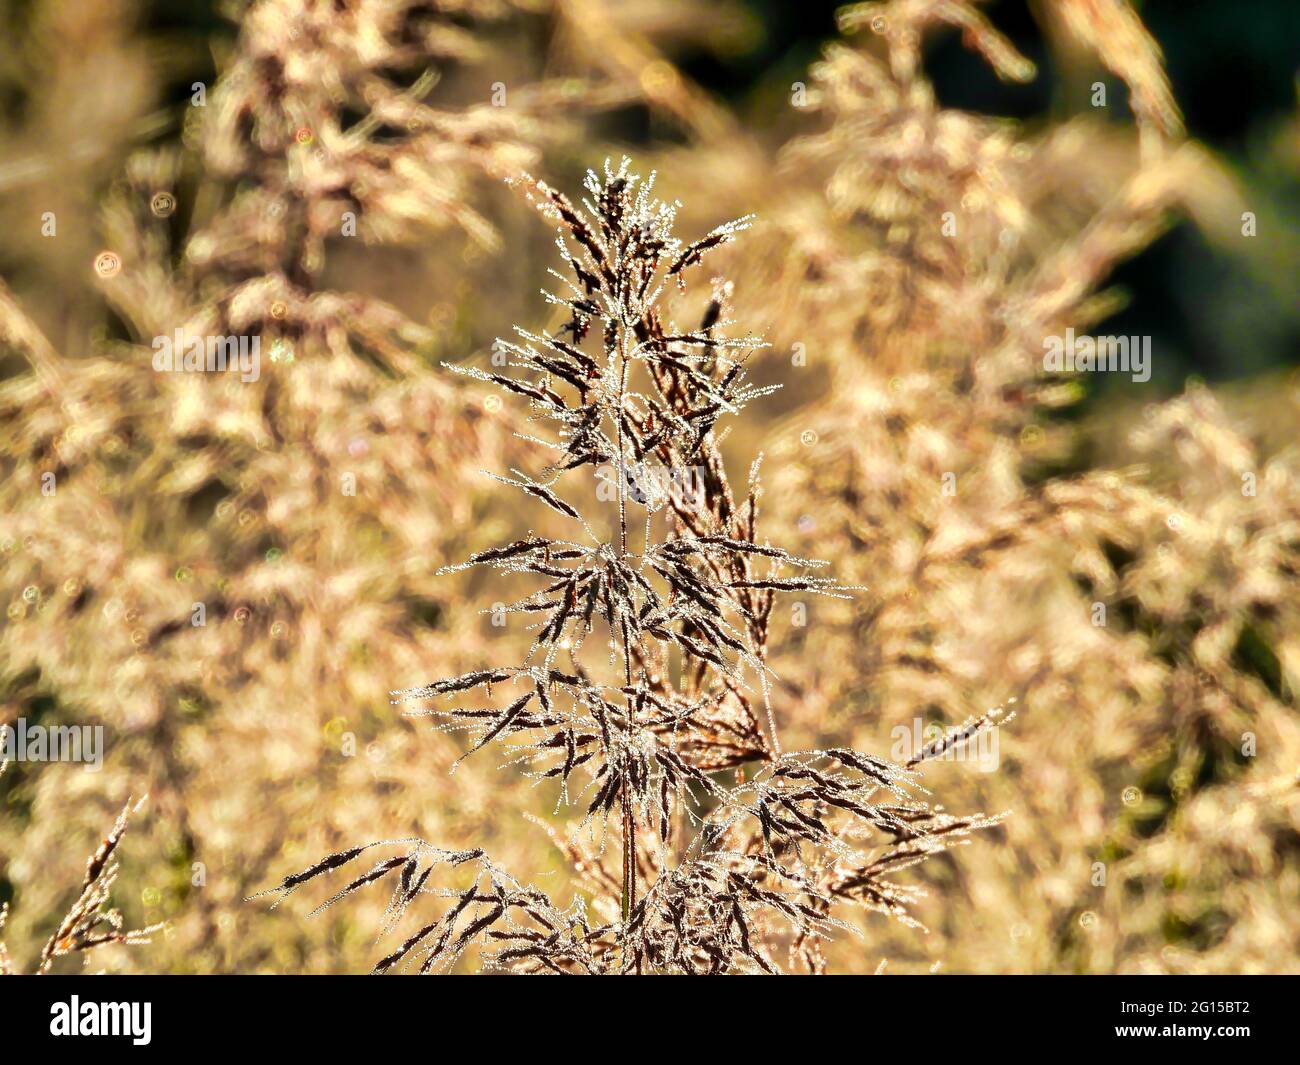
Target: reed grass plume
90 922
728 847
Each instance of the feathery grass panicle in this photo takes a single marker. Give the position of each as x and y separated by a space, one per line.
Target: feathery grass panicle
728 848
90 921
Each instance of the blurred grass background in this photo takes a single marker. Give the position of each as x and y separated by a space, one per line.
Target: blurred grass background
172 492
